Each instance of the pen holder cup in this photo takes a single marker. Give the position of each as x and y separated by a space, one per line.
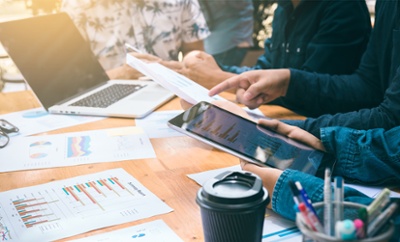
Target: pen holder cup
350 212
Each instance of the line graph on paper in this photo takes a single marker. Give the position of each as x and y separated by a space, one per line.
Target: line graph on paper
61 207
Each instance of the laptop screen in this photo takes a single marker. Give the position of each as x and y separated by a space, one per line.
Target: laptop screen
52 55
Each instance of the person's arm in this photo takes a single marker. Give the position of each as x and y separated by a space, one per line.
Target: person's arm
202 68
360 156
257 87
382 110
365 156
277 184
282 199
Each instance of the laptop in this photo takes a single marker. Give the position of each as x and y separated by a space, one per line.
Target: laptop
63 72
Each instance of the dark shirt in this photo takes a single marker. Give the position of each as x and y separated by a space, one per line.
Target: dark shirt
369 98
322 36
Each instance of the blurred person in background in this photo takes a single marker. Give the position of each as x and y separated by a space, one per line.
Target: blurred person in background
231 26
162 28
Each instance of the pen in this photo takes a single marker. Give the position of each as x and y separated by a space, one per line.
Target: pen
310 218
304 198
363 215
378 204
311 213
338 193
378 223
296 194
328 228
359 225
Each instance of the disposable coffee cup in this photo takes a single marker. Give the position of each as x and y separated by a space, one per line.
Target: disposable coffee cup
232 207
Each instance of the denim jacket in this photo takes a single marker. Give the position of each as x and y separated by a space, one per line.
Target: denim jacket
369 98
321 36
369 157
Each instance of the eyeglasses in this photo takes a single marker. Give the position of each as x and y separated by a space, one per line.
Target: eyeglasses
5 129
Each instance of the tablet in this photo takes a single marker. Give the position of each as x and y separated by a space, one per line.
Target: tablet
245 139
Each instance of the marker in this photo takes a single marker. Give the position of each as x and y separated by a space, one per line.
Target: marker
359 225
328 211
339 196
345 230
378 204
296 194
310 218
363 215
378 223
303 211
305 199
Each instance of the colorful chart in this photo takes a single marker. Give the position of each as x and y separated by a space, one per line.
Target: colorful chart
34 211
63 208
78 146
4 233
94 192
39 149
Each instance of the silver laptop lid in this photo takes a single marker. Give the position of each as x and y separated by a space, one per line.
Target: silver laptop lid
52 56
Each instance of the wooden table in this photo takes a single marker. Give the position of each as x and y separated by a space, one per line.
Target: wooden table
165 176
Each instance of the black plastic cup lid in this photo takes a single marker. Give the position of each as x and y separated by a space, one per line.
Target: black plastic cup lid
232 190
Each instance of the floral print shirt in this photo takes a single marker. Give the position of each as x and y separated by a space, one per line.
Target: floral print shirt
157 27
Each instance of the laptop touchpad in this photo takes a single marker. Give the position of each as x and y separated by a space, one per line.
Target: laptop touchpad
145 95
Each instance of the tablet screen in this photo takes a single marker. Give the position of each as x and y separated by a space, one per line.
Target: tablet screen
245 139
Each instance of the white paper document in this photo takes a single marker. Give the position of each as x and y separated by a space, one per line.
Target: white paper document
277 228
72 206
69 149
180 85
38 120
155 124
148 232
372 192
202 177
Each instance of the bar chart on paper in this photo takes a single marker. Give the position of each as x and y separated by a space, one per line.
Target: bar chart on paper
69 149
34 211
65 208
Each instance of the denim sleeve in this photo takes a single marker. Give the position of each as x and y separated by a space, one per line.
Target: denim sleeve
235 69
365 156
262 63
282 200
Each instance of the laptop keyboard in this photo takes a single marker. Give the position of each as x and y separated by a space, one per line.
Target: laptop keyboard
108 95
